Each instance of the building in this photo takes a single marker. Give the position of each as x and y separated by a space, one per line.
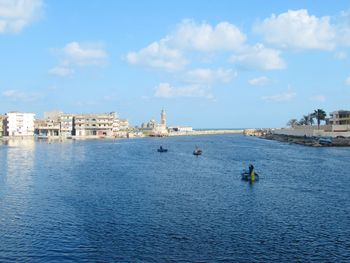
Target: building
2 130
99 125
163 119
67 124
50 126
47 127
19 124
124 125
53 115
340 117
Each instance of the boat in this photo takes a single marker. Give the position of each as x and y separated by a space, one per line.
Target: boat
325 140
197 151
162 150
246 176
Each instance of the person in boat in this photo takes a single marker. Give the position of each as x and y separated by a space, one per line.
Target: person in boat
161 148
251 172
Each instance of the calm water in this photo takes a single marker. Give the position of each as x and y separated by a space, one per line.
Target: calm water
122 201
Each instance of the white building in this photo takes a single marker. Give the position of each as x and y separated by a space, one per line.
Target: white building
19 124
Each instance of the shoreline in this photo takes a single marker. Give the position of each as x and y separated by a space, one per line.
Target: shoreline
306 141
130 136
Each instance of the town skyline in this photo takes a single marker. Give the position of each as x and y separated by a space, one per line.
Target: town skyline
210 65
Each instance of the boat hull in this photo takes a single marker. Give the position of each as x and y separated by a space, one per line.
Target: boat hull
246 177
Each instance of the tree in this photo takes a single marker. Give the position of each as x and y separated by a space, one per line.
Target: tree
304 120
292 123
319 115
307 120
311 119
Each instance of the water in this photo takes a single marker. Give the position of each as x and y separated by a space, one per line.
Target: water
122 201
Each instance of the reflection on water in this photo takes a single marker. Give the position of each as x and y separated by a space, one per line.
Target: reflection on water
20 160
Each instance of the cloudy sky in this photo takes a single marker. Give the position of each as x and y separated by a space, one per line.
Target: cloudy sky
210 64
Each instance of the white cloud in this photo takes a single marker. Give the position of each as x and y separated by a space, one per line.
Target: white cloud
285 96
168 53
318 98
259 57
209 76
205 37
16 14
84 54
165 90
260 81
297 29
158 55
75 55
347 81
16 95
61 71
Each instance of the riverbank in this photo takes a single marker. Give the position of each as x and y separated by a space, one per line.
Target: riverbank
126 136
206 132
307 141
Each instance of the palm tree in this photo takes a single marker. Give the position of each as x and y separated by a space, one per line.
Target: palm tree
320 115
311 119
292 123
305 120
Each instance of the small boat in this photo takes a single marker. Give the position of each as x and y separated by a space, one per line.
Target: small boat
162 150
197 152
246 176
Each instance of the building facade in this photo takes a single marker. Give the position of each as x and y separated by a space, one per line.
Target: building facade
67 125
99 125
341 117
2 120
19 124
47 127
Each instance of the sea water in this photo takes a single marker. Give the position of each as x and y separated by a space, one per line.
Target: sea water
122 201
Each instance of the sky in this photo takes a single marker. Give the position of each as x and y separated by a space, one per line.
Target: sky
209 64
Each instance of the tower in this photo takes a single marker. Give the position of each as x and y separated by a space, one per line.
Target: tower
163 118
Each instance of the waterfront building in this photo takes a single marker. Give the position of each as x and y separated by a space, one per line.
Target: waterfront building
99 125
2 120
47 127
163 118
153 128
66 124
124 125
340 117
19 124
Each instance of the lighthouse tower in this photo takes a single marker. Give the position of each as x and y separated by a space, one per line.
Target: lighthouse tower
163 119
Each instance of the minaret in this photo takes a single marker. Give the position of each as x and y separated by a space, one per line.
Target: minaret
163 118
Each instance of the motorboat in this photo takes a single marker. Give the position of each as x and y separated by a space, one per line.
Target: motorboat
246 176
162 150
197 151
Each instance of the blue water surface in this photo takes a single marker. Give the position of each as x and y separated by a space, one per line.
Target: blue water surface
122 201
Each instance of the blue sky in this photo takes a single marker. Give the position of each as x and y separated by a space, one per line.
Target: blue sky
208 63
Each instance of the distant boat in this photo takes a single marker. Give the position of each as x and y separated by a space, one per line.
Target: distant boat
246 176
162 150
197 151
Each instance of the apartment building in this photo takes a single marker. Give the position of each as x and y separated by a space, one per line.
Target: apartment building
47 127
340 117
19 124
2 130
67 124
99 125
